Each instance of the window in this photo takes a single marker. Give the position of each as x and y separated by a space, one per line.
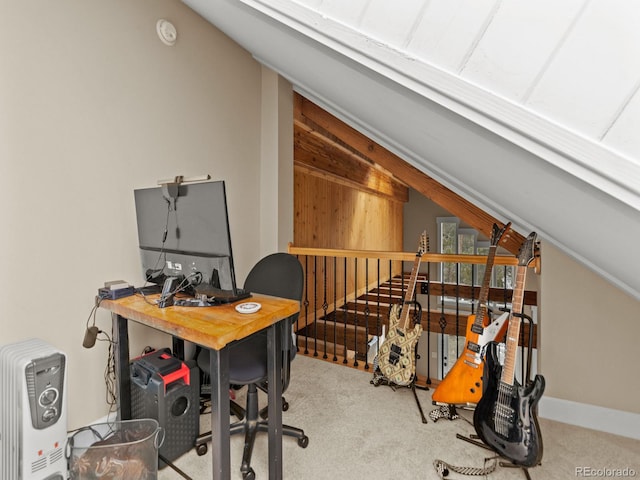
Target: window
467 240
448 243
453 239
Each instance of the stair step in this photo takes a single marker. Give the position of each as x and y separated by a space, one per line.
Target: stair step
373 298
328 333
311 346
353 317
325 333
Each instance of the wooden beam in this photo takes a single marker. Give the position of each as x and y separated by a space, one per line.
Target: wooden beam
312 151
308 113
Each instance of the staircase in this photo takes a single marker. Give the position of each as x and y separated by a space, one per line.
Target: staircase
352 330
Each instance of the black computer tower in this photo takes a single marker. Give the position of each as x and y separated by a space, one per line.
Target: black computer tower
168 390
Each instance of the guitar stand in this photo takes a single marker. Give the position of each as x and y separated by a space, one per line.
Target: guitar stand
379 379
525 470
415 395
474 440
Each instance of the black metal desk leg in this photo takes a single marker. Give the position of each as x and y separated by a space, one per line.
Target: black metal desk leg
274 379
121 353
178 347
220 412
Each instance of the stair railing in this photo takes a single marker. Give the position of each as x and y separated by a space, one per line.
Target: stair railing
348 295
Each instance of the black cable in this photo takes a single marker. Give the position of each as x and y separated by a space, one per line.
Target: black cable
92 313
110 376
187 282
144 297
163 254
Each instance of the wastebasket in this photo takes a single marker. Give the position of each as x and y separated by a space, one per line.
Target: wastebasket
122 450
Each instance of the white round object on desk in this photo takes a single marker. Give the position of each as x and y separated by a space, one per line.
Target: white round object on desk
248 307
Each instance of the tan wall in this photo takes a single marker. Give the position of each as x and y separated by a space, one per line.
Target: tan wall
588 329
93 105
589 334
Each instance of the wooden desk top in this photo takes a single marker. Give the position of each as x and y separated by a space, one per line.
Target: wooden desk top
211 327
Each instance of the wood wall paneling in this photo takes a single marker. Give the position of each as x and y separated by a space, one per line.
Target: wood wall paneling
310 117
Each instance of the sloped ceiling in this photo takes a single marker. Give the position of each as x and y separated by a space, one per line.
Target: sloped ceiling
529 111
324 143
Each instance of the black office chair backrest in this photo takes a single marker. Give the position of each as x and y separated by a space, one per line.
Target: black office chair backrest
281 275
278 274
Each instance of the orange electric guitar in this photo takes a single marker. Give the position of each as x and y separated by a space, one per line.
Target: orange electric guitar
463 384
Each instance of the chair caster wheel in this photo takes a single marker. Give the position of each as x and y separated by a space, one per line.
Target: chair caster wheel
303 441
285 406
249 475
201 449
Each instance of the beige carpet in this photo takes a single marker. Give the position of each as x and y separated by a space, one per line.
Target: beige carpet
358 431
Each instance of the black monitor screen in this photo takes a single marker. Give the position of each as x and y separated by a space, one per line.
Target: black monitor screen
187 234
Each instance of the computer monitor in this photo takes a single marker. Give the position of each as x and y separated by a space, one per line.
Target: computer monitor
185 233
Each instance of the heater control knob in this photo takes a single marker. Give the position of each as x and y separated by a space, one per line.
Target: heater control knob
49 414
48 397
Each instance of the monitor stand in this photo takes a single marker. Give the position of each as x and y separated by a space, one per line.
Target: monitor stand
217 295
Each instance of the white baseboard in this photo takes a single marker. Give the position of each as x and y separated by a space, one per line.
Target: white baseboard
604 419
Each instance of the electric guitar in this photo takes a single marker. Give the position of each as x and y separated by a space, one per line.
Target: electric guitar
396 358
463 383
506 415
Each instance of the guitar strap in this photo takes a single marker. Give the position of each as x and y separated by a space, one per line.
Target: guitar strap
444 469
444 411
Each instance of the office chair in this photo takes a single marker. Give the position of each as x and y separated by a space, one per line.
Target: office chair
280 275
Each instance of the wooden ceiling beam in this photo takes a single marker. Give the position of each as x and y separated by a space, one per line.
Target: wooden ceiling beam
306 112
315 153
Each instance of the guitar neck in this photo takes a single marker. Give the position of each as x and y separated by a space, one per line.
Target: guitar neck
513 332
484 291
408 296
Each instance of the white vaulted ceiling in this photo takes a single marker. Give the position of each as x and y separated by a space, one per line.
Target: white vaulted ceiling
530 110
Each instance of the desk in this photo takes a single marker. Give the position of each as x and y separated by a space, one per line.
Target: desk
213 328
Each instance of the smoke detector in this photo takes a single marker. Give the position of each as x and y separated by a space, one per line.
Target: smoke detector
167 32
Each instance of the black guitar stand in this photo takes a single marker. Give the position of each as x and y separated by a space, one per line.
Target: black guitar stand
475 439
450 411
379 379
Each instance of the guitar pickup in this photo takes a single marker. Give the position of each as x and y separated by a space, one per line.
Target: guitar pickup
475 328
474 347
394 355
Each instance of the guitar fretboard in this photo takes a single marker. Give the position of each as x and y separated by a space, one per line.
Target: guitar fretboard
484 291
408 296
513 332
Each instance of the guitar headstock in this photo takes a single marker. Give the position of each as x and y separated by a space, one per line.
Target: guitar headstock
423 245
497 233
527 250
